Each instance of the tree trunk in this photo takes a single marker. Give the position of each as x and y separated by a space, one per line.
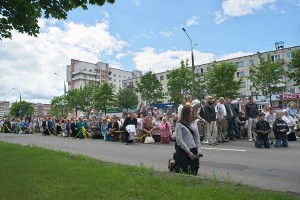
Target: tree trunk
270 100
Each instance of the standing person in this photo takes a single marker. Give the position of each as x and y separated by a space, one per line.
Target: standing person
188 148
131 120
232 112
251 111
211 121
183 102
280 129
201 116
262 129
292 109
221 120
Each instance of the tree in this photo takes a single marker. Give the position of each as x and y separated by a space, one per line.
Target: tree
23 15
295 67
104 97
57 106
179 82
266 78
127 98
21 108
150 88
220 80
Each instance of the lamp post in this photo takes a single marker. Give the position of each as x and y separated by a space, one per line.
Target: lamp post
64 109
193 66
20 111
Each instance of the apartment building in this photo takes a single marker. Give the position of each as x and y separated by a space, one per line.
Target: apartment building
4 108
41 109
282 55
80 73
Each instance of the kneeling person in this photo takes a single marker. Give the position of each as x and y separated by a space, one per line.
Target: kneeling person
262 131
280 129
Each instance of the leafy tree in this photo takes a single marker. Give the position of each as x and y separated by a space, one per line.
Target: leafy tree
220 80
23 106
150 88
104 97
127 98
23 15
295 67
57 106
265 77
179 82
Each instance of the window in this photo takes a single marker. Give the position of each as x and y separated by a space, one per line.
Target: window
109 78
90 70
275 57
290 67
292 90
119 76
115 80
243 85
114 75
161 78
119 81
289 55
240 74
251 62
240 64
201 72
253 93
125 85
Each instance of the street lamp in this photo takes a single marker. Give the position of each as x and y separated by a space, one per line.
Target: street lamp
193 66
64 109
20 111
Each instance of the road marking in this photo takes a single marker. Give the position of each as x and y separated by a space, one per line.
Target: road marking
240 150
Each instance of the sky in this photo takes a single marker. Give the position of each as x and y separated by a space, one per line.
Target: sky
143 35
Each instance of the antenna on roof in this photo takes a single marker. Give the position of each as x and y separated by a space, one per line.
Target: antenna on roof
279 45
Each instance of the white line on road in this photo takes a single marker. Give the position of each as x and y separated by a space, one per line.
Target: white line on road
240 150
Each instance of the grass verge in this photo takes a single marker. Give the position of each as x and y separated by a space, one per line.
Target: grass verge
28 172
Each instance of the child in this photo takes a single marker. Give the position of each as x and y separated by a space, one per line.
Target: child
165 130
262 130
280 129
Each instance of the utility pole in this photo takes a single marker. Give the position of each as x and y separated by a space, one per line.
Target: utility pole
193 65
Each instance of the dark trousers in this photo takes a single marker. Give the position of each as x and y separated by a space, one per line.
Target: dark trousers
183 163
233 129
262 141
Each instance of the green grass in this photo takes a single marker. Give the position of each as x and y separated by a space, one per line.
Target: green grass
35 173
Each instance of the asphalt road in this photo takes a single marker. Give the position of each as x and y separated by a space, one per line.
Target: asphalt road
238 161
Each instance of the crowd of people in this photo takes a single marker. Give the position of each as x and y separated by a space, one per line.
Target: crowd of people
207 121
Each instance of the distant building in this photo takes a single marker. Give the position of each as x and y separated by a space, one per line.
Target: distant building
41 109
79 72
4 108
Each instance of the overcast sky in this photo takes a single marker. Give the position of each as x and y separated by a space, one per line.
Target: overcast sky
143 35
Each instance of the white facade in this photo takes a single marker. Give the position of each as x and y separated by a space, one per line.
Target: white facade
116 77
79 73
4 108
